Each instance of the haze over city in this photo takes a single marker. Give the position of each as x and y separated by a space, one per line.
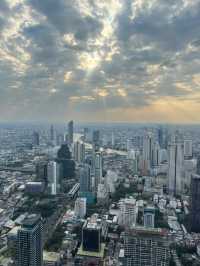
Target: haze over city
108 60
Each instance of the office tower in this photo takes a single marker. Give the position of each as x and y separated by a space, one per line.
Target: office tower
98 169
155 155
188 149
160 137
148 151
29 242
53 172
79 152
87 134
41 171
52 133
96 140
175 151
128 212
70 132
128 144
195 203
80 208
36 139
67 165
85 178
91 235
113 140
146 246
149 217
198 165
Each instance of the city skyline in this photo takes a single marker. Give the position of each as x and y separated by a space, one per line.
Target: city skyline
100 60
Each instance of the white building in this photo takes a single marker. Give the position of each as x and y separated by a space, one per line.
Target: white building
98 169
53 170
128 212
80 208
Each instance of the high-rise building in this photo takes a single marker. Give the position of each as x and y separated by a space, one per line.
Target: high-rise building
155 155
96 140
198 165
79 152
36 139
194 202
80 208
160 137
41 171
52 133
188 149
128 212
148 151
146 246
85 179
91 235
175 168
29 242
149 217
70 132
113 140
98 169
53 172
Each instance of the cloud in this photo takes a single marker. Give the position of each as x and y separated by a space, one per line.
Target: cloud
84 59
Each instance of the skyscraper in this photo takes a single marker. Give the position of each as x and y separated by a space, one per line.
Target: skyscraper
70 132
98 169
36 139
52 133
146 246
96 140
85 179
79 152
195 204
29 242
148 151
175 151
53 173
188 149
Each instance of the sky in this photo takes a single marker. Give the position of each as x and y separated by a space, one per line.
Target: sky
105 60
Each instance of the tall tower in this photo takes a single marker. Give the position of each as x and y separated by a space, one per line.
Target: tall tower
52 133
194 202
98 169
53 177
79 152
188 149
85 179
148 151
175 168
36 138
71 132
29 242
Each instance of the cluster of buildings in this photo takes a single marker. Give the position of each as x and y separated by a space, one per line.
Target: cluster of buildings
143 187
